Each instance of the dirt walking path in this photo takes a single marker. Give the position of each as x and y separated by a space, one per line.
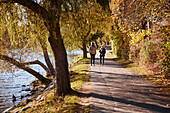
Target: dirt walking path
116 89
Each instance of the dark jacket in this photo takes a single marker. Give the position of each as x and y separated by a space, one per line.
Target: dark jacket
102 52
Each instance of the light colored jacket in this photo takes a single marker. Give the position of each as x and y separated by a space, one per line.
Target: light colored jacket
92 50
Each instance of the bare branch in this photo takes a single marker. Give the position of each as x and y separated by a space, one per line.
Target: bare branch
37 62
80 47
21 66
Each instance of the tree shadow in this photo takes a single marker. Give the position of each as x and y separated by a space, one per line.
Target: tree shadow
116 65
116 74
100 109
125 63
79 94
151 107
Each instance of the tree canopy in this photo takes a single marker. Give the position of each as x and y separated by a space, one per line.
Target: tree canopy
79 26
32 25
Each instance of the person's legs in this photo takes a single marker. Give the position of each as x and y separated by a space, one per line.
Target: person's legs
91 58
94 59
100 59
103 59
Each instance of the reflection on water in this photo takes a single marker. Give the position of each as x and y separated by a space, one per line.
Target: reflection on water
12 84
15 83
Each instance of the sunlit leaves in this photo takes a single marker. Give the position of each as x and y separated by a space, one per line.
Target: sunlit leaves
20 33
142 20
78 26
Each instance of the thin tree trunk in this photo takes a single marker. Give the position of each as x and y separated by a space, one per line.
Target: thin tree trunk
84 43
47 59
84 49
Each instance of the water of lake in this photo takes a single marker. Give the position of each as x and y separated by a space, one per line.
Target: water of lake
18 82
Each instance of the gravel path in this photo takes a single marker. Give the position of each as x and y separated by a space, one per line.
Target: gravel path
116 89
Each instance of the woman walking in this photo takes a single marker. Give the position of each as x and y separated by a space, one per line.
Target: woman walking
92 51
102 52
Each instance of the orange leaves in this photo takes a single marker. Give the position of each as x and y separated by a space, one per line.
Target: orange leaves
159 14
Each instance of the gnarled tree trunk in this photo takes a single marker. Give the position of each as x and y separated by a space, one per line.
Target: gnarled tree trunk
62 73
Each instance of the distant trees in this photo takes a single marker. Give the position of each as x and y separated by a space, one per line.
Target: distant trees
78 27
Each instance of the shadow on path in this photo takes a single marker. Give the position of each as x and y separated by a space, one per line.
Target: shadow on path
116 74
150 107
116 89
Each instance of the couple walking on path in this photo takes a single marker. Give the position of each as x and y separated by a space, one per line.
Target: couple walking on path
92 51
115 89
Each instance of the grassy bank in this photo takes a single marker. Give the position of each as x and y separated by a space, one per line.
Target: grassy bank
142 70
68 104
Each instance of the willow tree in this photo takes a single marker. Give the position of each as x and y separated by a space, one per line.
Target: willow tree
49 11
20 42
78 27
13 56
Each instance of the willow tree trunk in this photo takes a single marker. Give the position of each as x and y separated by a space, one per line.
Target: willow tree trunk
62 73
84 49
47 60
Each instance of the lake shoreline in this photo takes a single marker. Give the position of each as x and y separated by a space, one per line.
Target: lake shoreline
28 98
